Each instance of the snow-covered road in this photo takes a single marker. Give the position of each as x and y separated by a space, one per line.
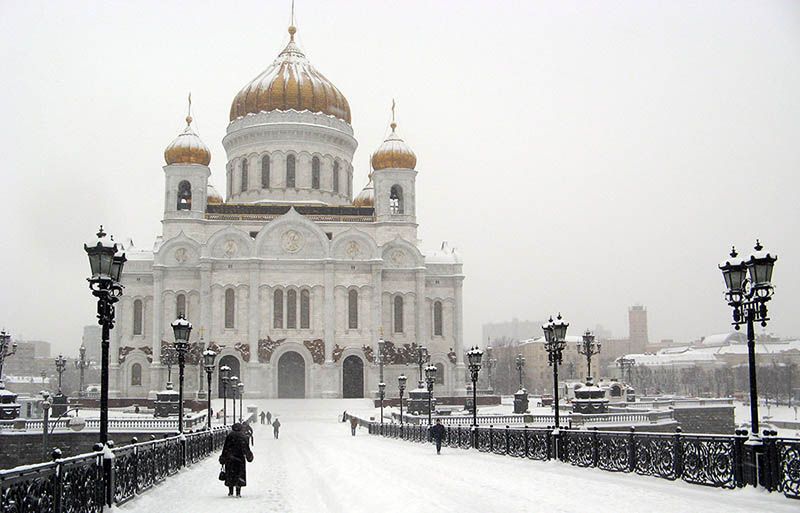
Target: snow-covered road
317 466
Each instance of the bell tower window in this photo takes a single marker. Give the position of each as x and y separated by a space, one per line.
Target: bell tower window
184 195
290 171
396 200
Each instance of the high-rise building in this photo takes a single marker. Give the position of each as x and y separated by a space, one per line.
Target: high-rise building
637 328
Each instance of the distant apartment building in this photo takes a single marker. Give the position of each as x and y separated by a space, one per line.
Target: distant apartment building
637 328
91 341
515 330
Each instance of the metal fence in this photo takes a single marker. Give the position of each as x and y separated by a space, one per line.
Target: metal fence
87 482
722 461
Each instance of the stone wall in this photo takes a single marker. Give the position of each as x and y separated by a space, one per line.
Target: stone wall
705 419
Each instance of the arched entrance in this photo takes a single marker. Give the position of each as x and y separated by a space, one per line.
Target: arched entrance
352 377
232 362
291 376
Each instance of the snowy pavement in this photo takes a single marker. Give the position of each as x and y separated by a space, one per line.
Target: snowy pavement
317 466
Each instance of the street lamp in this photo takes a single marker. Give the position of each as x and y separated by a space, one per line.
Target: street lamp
588 348
106 261
182 329
5 343
430 379
382 395
224 373
234 381
45 421
474 357
401 385
626 364
241 395
520 363
208 363
749 284
422 359
61 365
490 364
169 357
81 364
555 333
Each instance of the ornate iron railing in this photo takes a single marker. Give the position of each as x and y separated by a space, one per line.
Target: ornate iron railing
720 461
87 482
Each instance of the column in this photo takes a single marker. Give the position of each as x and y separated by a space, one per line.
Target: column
421 335
458 331
253 311
158 313
330 311
377 306
205 301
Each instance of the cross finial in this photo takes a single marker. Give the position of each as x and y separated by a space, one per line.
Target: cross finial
292 28
189 110
394 123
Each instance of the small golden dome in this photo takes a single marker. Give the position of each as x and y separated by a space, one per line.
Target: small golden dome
290 83
212 196
187 148
393 153
366 198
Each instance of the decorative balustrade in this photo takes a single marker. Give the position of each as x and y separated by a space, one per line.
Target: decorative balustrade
190 422
576 419
711 460
87 482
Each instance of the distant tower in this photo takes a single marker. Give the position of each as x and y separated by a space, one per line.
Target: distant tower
637 329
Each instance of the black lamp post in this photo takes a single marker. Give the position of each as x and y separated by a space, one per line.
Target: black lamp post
626 364
555 333
208 364
224 373
240 386
749 284
422 359
382 395
401 385
474 357
588 347
106 263
5 343
520 363
61 365
169 357
81 364
430 379
234 381
182 329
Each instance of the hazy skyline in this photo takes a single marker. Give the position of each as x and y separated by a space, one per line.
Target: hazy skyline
582 156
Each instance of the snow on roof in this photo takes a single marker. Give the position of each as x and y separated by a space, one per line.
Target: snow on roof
444 255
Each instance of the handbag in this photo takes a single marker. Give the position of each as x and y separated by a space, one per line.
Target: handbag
222 473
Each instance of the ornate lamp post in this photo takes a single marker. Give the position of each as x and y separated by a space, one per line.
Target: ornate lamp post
224 373
382 395
474 357
234 381
106 264
626 364
61 365
749 284
169 357
430 379
241 395
45 421
401 385
5 343
379 358
588 348
422 359
520 363
521 396
555 333
182 329
81 364
490 364
208 364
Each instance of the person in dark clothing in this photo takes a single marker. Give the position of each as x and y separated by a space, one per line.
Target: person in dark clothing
353 425
248 431
235 455
263 415
269 418
437 433
276 427
344 416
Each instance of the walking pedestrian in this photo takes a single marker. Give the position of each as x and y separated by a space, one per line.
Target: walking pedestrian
276 427
235 456
263 415
269 418
248 431
437 433
344 416
353 425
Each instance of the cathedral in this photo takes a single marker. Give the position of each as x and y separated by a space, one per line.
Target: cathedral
289 278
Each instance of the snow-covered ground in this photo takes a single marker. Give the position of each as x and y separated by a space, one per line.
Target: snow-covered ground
317 466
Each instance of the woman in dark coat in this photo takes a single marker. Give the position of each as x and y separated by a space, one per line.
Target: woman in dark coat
235 455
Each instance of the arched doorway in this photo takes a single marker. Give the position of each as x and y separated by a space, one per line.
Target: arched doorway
232 362
352 377
291 376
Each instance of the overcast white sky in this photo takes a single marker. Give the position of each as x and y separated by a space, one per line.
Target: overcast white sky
583 156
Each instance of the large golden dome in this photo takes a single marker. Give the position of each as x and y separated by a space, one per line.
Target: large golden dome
393 153
366 198
290 83
187 148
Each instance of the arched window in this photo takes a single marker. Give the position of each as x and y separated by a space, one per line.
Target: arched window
398 314
137 317
277 309
439 373
230 307
315 173
336 176
305 309
291 309
136 374
184 195
265 172
352 309
180 305
437 318
290 171
244 175
396 200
